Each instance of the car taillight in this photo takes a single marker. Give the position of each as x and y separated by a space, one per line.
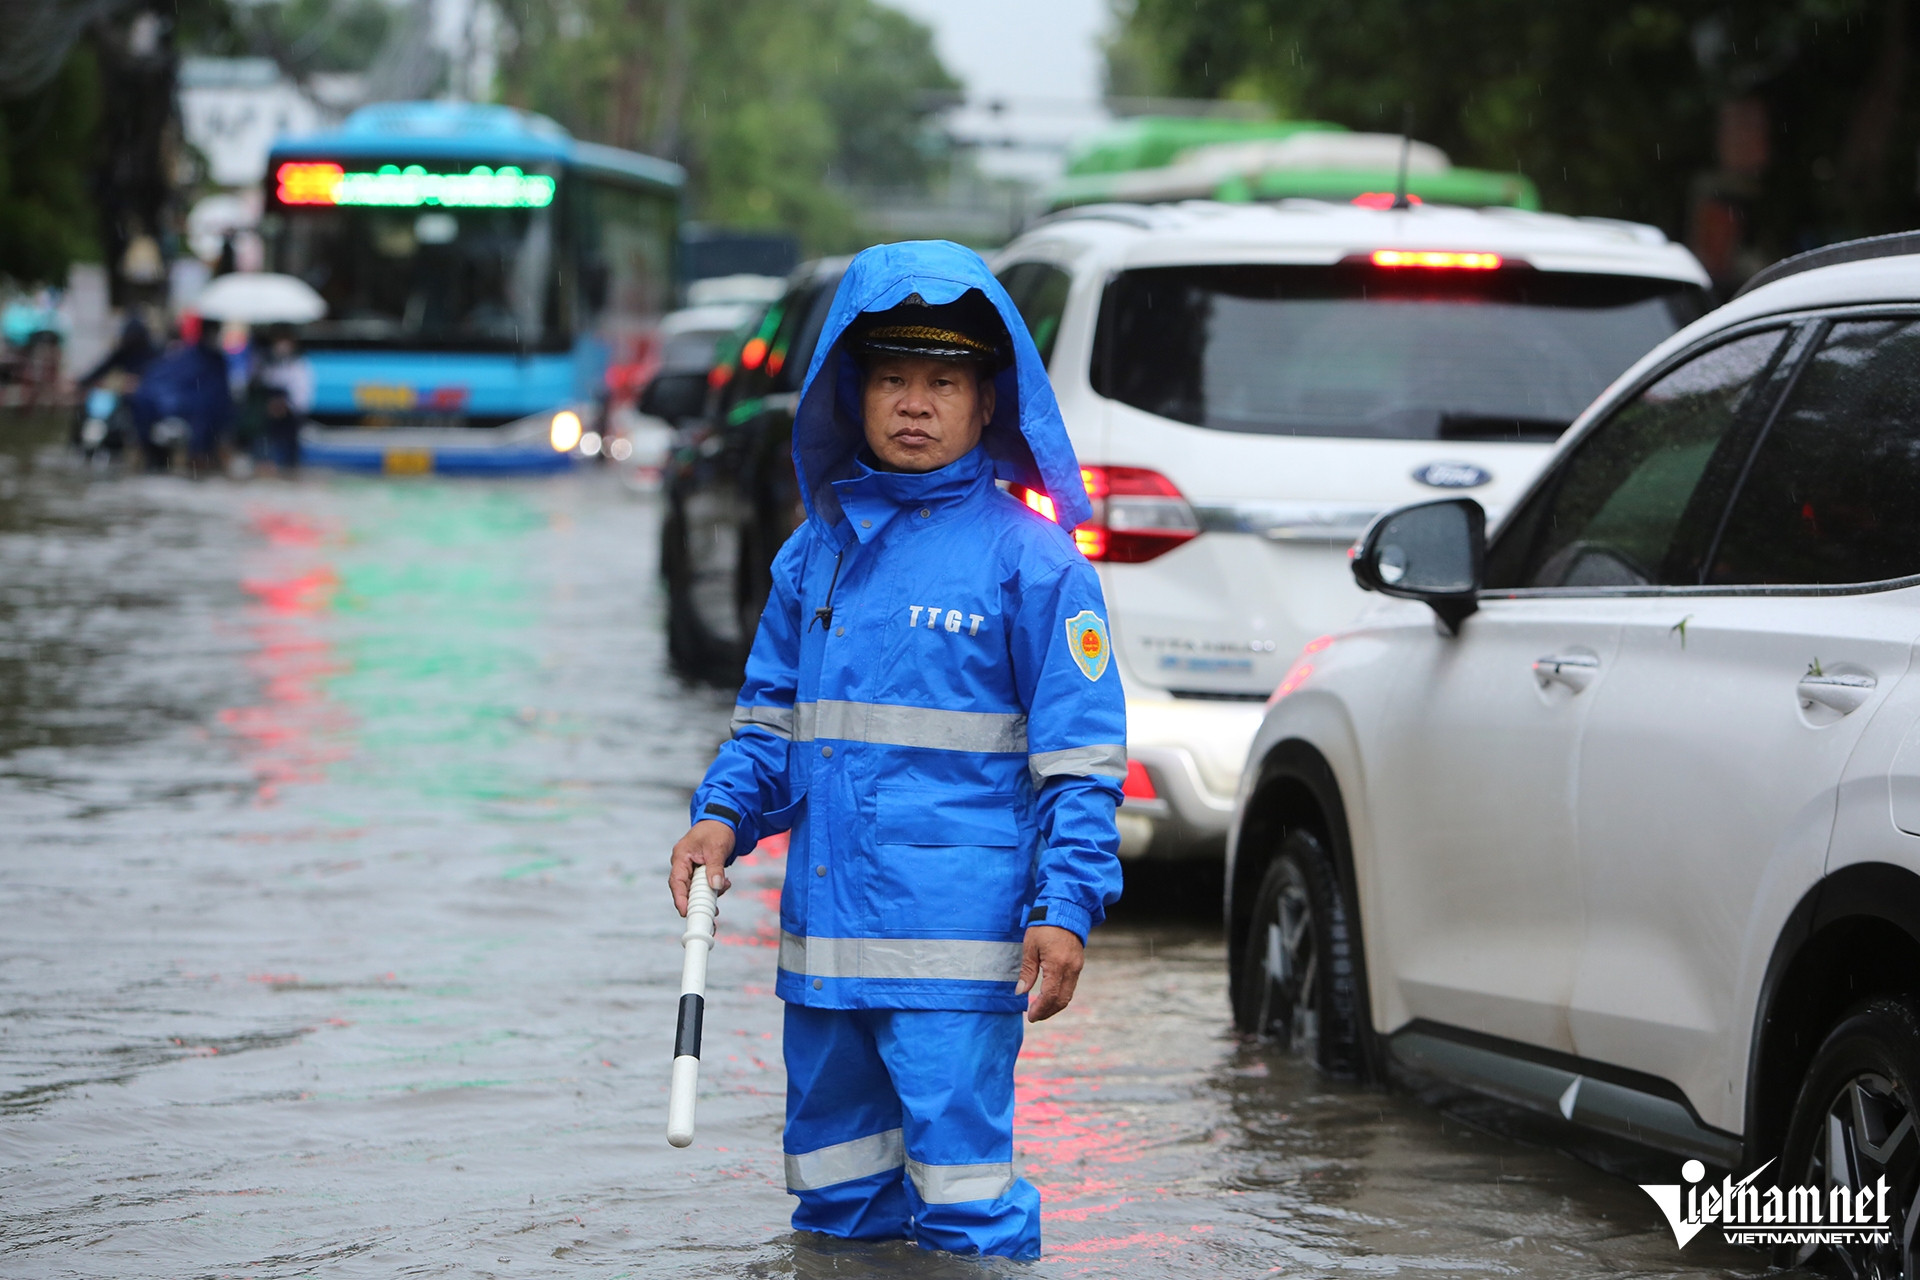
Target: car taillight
1436 259
1139 783
1138 514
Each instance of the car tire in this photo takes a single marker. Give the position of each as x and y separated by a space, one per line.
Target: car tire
693 647
1299 982
1858 1103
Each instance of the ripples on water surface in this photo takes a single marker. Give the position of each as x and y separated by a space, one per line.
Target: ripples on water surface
333 942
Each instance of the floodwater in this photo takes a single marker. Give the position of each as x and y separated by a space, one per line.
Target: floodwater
334 942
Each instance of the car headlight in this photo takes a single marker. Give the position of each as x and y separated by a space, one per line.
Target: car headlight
565 431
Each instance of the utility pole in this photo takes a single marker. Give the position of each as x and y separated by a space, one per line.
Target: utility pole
134 181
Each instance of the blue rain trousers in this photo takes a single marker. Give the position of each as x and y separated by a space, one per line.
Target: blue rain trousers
900 1127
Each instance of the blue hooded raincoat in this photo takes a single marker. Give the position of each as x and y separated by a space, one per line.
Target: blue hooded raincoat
930 707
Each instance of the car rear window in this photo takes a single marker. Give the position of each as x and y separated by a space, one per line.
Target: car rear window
1366 352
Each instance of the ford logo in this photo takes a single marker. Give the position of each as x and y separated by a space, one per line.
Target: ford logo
1453 475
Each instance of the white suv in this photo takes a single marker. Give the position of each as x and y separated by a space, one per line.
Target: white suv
1617 815
1247 386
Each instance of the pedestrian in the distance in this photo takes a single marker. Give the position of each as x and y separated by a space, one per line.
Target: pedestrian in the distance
930 707
283 381
187 388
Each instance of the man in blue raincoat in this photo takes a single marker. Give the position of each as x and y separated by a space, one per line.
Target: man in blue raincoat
930 708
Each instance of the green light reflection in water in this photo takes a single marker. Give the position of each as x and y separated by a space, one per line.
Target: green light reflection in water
435 623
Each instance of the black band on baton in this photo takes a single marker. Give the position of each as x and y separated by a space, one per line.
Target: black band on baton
686 1038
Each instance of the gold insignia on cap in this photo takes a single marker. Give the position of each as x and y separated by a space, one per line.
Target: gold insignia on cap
926 333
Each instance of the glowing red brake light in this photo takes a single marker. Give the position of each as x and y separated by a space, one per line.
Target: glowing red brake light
1381 199
1139 783
1138 514
1436 259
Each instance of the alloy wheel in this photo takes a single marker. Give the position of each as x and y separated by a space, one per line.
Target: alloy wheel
1869 1133
1291 967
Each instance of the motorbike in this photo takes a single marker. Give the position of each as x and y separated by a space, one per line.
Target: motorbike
104 423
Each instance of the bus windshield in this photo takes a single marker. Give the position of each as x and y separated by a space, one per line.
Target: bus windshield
462 278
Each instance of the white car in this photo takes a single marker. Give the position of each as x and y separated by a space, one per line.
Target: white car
1248 385
1616 812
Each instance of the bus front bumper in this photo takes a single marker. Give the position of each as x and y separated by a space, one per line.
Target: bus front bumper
524 447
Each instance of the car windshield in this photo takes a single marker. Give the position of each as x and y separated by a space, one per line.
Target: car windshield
1361 351
457 278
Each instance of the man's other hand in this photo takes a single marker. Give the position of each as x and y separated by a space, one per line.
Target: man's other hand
1051 956
709 844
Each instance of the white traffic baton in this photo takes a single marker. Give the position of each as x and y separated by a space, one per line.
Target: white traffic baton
702 907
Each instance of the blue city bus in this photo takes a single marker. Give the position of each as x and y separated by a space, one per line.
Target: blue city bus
483 271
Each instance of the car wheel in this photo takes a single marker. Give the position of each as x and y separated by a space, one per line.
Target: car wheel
1855 1121
1297 983
695 646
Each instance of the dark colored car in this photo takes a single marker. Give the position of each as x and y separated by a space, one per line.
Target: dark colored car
731 498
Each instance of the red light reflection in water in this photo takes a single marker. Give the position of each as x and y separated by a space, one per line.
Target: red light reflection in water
1071 1148
295 732
1086 1159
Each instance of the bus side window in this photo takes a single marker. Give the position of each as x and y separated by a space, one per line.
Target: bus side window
625 261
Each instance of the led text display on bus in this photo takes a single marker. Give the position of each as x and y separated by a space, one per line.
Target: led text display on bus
322 182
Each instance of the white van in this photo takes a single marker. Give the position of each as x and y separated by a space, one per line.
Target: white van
1248 386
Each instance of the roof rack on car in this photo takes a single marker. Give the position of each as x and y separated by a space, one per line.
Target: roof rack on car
1900 242
1134 215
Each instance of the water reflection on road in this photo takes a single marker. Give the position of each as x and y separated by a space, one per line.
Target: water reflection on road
333 942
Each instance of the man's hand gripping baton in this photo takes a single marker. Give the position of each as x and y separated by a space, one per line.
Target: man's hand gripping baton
702 907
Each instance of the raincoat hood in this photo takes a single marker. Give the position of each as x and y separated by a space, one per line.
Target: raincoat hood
1026 439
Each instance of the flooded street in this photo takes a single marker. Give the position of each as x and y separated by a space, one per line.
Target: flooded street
334 941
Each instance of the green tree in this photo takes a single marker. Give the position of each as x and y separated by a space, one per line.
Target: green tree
46 143
1798 118
774 106
305 36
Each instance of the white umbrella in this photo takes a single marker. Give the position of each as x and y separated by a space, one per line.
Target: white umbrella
259 297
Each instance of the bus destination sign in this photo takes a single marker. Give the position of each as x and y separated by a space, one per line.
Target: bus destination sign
321 182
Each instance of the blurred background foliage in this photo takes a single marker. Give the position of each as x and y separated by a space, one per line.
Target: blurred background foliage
785 112
1751 129
776 107
306 36
46 205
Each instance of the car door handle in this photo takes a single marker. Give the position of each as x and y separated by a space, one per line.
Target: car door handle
1842 693
1576 670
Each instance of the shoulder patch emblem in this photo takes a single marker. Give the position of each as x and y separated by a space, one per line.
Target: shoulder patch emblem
1087 638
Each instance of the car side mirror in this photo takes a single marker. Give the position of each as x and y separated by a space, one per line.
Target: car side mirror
1432 551
675 397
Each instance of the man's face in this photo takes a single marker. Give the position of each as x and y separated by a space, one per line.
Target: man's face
922 414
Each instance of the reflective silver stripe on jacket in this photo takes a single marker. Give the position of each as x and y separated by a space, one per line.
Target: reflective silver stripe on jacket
1102 760
778 720
845 1161
955 959
957 1183
897 726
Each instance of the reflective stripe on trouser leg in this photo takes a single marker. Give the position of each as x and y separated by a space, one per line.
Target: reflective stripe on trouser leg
953 1074
958 1183
845 1150
845 1161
